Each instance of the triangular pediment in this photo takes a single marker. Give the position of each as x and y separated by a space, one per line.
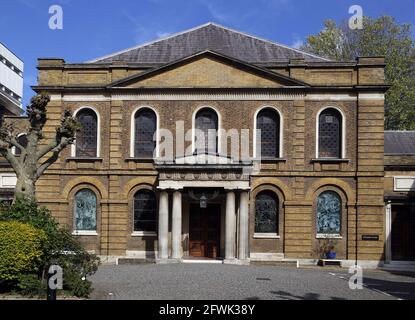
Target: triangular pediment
208 70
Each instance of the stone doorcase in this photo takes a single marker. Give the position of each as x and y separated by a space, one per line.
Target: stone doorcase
207 172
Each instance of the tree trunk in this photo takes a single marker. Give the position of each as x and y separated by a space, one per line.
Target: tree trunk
25 187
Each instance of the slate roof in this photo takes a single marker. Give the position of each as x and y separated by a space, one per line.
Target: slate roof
400 142
210 37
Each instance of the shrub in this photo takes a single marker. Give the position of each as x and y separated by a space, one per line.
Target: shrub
31 285
21 249
59 248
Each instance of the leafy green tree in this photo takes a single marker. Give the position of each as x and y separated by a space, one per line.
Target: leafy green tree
381 36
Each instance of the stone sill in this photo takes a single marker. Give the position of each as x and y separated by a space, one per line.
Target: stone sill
144 234
266 236
330 160
329 236
85 233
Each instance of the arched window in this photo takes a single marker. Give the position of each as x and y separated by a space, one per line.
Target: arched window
87 137
144 136
145 211
22 140
266 213
206 135
330 134
85 217
329 213
268 123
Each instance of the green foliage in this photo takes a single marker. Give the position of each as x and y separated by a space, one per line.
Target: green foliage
59 248
31 285
379 37
20 249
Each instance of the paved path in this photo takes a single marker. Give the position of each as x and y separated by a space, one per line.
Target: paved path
226 282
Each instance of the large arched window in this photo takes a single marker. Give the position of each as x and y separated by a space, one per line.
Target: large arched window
85 207
206 135
268 124
330 134
266 213
87 137
22 140
145 211
329 213
145 127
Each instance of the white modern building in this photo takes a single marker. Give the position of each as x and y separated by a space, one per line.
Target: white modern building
11 82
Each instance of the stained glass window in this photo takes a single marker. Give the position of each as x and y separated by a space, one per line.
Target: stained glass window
266 213
207 125
144 139
268 122
22 140
87 137
329 213
330 127
85 210
145 211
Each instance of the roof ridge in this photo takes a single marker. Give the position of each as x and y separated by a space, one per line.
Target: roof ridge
200 27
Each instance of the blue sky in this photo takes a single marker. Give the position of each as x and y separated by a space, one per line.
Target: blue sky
95 28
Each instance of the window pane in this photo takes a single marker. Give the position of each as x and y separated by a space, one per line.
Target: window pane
145 128
22 140
145 211
268 122
266 213
207 123
329 213
87 137
330 134
85 211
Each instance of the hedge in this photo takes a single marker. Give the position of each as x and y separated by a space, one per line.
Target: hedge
20 249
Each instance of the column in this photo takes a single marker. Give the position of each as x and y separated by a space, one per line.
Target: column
388 233
243 225
177 226
230 225
163 233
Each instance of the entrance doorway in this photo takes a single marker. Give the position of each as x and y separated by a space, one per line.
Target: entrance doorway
204 231
403 233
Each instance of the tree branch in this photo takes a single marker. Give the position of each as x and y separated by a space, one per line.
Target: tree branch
7 153
55 154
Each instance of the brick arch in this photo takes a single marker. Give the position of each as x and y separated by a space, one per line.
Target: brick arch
286 192
85 180
342 185
130 185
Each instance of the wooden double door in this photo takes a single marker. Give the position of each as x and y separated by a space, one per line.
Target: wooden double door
204 231
403 233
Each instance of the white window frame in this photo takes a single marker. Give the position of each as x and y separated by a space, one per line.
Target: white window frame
77 232
18 136
73 147
132 133
281 142
343 133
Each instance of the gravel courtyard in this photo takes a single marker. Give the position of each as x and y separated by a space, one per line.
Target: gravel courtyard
227 282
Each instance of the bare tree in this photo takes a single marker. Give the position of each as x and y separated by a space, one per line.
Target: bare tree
36 157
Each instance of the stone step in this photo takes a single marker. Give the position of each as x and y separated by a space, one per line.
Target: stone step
276 263
135 261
